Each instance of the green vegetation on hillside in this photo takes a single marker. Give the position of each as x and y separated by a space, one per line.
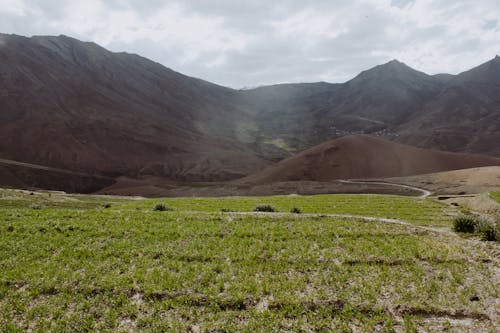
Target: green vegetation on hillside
132 268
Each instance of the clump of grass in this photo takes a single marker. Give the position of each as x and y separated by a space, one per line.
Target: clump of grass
465 223
489 233
489 230
162 208
295 210
106 205
226 210
264 208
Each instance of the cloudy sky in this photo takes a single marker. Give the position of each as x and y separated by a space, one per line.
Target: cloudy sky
250 43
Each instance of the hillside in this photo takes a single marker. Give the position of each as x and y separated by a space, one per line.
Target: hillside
358 157
464 117
78 107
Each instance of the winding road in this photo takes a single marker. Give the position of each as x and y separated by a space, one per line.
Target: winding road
424 192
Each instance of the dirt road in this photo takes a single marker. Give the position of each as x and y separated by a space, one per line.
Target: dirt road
424 192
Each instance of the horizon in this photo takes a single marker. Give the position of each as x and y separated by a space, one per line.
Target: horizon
258 86
257 44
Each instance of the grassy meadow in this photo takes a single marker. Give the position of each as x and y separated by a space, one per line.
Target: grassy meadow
79 263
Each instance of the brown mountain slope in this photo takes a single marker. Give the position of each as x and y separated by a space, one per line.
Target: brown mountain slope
464 117
76 106
365 157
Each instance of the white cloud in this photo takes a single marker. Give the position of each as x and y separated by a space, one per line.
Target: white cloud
254 42
13 7
308 24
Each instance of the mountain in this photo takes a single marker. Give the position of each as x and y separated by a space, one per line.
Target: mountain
297 116
75 106
464 117
377 100
460 113
361 156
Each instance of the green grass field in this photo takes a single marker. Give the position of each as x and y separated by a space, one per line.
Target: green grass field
421 212
69 264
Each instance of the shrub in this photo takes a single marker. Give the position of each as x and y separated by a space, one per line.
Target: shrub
489 231
295 210
161 208
264 208
465 223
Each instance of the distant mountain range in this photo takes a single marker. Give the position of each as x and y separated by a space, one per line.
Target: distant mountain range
75 106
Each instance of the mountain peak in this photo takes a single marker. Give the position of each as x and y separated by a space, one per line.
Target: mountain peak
393 70
395 62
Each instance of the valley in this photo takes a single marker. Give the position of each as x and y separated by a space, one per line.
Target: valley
135 198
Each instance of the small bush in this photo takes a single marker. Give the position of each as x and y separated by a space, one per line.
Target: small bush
107 205
465 223
264 208
295 210
489 231
162 208
489 234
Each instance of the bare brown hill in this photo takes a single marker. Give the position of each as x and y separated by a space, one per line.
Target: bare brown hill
361 157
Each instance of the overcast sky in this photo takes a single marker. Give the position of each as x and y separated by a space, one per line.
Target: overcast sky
250 43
